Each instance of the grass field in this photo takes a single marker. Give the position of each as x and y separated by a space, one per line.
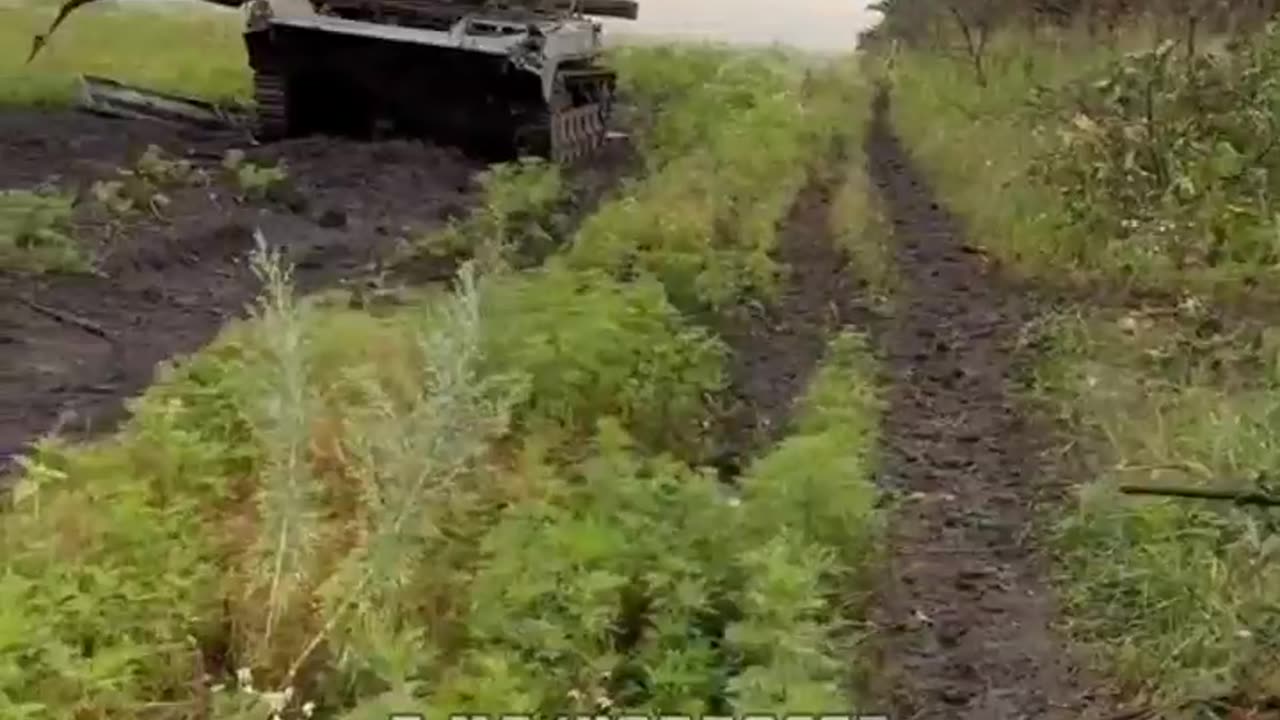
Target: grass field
189 49
490 496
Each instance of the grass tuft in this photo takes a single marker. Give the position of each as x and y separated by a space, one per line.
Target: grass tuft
37 233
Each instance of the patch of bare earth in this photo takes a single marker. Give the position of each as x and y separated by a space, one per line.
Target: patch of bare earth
73 348
965 611
777 347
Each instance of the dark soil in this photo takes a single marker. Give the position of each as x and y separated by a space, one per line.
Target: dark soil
776 348
73 348
965 612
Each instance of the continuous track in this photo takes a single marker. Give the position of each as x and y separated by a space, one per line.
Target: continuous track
270 95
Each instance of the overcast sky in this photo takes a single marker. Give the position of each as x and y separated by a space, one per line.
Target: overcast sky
811 24
822 25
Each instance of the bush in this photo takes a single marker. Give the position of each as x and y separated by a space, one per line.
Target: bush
518 220
1168 163
593 347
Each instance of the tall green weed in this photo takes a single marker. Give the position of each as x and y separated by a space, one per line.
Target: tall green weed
704 221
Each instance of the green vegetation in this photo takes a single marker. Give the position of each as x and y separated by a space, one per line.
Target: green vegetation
251 180
734 144
192 50
481 497
1172 160
978 145
818 479
36 232
861 226
1078 163
37 227
1179 596
520 216
1145 169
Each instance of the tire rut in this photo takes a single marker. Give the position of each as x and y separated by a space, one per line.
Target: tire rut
775 349
965 612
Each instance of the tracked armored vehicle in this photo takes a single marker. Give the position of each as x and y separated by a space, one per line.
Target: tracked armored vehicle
522 79
512 77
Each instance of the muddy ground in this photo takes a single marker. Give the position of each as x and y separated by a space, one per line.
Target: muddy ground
965 609
74 347
777 348
964 618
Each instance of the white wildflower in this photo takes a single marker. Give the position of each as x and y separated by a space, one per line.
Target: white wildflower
277 701
244 678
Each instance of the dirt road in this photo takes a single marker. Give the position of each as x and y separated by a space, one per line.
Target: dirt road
966 611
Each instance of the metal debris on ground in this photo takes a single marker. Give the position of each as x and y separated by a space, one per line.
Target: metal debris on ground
1239 497
116 99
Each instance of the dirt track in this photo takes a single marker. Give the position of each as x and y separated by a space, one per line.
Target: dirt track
777 348
965 609
72 348
964 613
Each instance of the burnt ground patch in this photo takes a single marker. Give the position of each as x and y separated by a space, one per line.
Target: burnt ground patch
74 347
965 612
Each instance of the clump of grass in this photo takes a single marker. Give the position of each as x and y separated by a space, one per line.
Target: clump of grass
253 181
194 51
143 186
590 344
1176 597
518 219
37 233
687 91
